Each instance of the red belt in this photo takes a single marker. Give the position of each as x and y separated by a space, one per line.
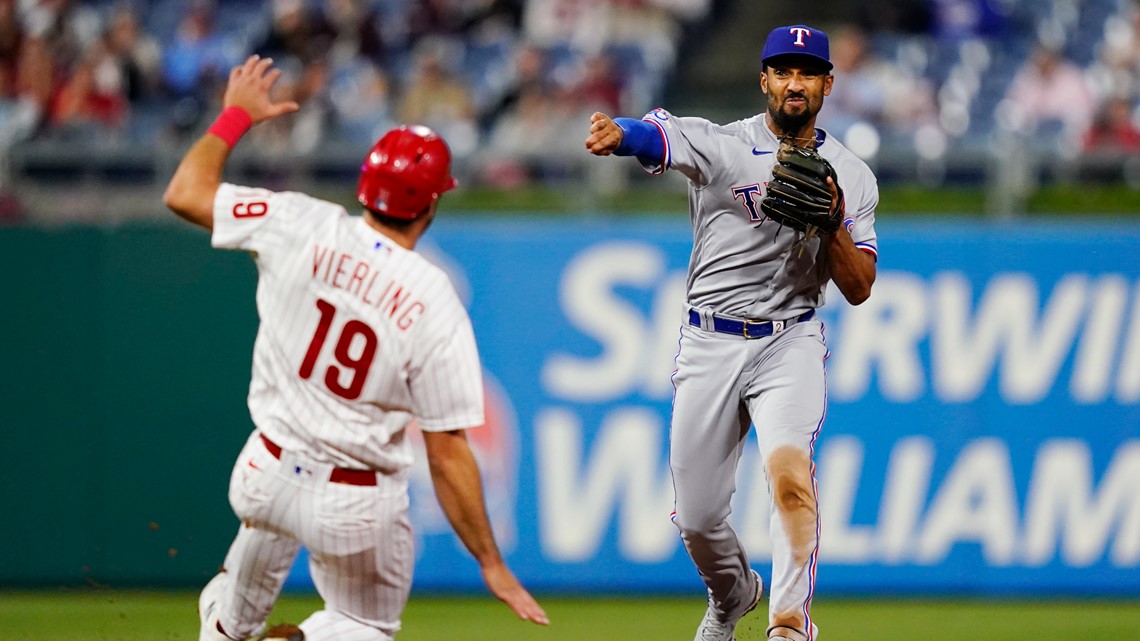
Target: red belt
339 474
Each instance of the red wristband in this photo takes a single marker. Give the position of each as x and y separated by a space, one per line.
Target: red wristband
231 125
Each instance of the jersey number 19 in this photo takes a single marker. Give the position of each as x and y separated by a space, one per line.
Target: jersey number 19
359 365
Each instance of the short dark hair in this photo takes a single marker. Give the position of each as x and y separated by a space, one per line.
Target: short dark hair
394 222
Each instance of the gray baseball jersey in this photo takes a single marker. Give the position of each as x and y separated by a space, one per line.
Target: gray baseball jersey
744 266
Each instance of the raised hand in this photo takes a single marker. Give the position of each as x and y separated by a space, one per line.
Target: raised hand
249 86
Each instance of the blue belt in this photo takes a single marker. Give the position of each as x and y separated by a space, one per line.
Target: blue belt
748 328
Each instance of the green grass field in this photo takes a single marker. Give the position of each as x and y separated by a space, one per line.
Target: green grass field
903 202
106 615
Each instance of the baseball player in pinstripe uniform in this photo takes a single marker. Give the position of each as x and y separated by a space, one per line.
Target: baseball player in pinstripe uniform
358 336
752 348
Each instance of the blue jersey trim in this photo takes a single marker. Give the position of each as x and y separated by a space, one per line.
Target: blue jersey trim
869 248
668 160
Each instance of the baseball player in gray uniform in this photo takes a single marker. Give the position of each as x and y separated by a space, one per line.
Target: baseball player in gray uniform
359 335
752 348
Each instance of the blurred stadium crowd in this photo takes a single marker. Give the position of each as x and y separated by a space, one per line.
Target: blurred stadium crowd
497 77
1063 76
501 79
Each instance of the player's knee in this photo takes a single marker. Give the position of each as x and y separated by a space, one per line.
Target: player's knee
789 475
699 523
790 496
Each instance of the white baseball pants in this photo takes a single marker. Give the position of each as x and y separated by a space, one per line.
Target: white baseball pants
359 539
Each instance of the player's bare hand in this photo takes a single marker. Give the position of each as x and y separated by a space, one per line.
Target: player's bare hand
249 86
605 135
503 584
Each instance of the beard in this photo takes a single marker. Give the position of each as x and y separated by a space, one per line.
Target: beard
789 122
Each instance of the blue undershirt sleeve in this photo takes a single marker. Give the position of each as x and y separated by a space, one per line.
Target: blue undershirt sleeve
640 139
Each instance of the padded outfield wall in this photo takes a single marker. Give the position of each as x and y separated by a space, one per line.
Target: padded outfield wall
983 431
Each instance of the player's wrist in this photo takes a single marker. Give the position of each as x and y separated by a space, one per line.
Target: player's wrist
231 125
641 139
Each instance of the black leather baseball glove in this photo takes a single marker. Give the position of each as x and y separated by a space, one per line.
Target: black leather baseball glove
798 195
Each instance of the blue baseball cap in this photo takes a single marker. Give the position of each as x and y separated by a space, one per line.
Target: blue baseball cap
797 40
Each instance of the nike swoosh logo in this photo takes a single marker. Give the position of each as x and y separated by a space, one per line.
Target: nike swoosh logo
757 152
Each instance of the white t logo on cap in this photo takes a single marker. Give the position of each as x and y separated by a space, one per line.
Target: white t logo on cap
800 33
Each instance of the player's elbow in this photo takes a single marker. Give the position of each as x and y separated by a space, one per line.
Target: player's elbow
175 198
855 280
190 202
445 448
856 287
857 296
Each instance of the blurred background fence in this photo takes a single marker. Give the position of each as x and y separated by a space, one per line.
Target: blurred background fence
981 435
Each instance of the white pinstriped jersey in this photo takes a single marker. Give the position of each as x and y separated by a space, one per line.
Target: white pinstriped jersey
357 335
743 264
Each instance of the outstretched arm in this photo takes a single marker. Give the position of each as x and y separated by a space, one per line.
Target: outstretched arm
625 137
459 490
605 135
246 102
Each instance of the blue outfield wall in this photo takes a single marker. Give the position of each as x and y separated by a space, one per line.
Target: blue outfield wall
983 429
982 437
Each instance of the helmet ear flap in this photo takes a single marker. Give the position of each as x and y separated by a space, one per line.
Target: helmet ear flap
404 172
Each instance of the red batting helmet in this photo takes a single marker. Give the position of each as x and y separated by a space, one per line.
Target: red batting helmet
404 172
